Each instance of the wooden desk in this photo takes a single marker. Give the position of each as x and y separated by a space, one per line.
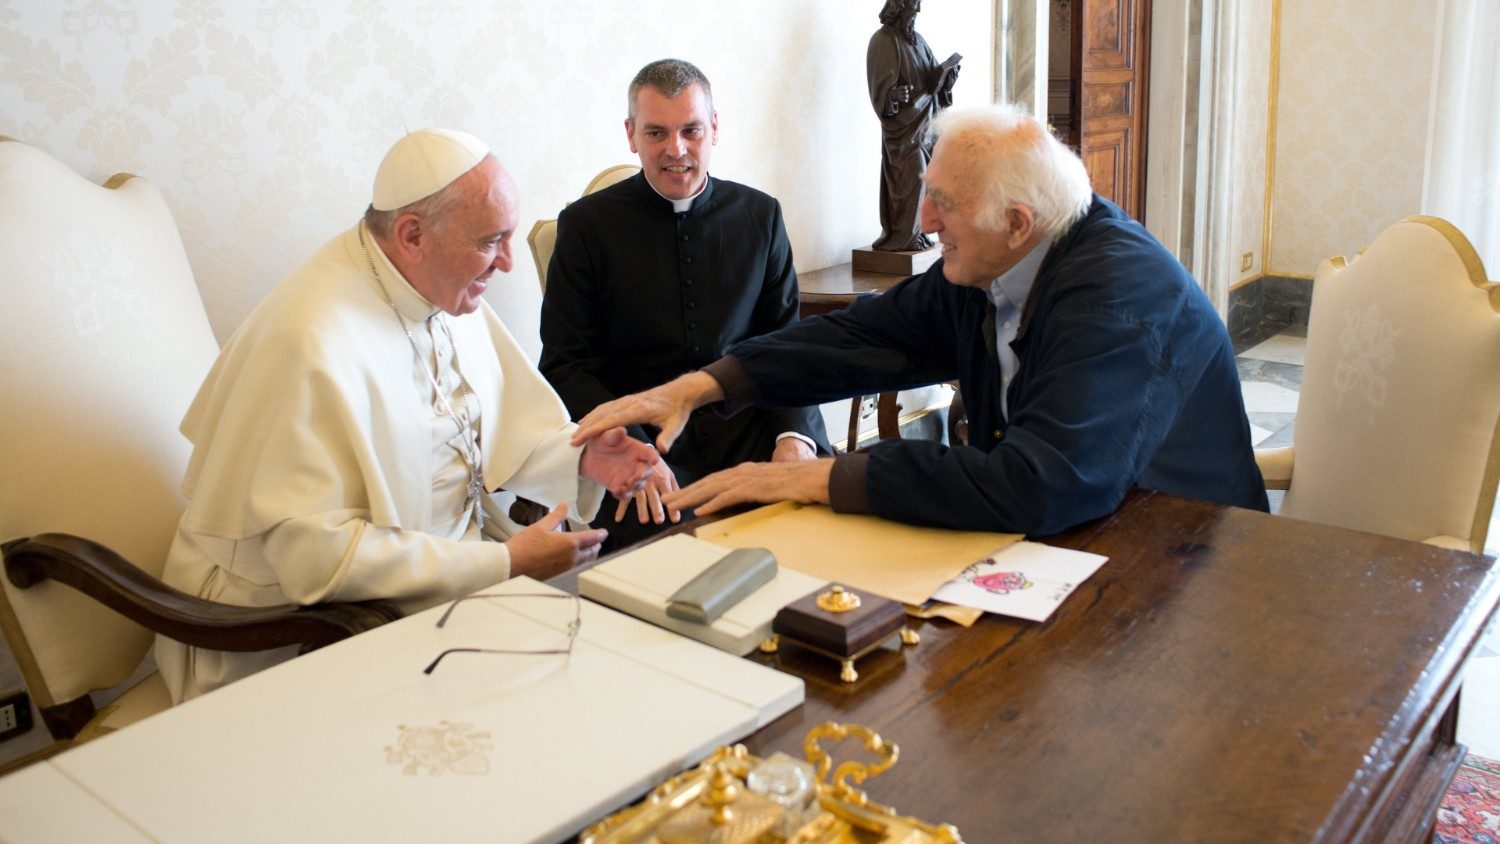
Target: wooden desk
1226 675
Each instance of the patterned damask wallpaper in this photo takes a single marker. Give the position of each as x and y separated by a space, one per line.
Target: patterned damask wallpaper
1356 79
263 121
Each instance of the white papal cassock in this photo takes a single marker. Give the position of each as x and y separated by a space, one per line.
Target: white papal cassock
324 469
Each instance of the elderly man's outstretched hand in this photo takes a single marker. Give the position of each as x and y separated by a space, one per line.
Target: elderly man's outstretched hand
761 483
618 462
667 407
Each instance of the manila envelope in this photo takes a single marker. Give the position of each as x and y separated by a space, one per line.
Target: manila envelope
905 563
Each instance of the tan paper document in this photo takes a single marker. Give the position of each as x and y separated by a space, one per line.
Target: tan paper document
902 562
965 616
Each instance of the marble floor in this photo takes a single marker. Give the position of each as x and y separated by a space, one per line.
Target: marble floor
1271 377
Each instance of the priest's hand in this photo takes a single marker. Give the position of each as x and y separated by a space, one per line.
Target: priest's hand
618 462
648 501
539 551
792 450
763 483
667 407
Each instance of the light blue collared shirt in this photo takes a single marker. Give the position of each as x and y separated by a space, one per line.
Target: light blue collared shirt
1008 293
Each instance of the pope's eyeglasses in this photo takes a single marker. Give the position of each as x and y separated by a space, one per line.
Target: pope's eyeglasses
571 630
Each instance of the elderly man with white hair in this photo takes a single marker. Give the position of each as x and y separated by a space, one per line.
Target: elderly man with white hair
1089 360
349 439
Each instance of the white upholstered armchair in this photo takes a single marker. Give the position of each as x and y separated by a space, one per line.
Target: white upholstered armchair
543 236
106 345
1397 421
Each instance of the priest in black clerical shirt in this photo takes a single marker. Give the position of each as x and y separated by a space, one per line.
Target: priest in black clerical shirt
659 275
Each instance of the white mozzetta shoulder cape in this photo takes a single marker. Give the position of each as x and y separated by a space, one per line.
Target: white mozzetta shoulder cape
316 404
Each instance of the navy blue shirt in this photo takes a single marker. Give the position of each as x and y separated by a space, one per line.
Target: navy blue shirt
1126 377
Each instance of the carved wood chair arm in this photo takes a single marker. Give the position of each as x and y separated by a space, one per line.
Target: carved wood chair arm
958 420
107 577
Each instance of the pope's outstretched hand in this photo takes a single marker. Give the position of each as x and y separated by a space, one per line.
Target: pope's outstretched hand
618 462
648 506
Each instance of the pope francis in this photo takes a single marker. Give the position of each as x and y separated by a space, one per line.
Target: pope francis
349 440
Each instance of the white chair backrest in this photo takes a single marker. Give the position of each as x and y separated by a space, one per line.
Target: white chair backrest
543 236
1397 420
609 176
106 347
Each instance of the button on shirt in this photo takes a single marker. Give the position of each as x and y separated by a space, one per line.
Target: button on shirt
1008 293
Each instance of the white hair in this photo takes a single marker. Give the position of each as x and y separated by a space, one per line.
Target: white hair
432 209
1014 159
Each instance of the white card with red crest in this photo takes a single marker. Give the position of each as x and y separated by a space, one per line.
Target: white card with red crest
1025 580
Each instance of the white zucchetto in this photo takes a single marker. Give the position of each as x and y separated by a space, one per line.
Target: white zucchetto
423 163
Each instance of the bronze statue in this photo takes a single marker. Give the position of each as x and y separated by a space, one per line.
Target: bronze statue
907 87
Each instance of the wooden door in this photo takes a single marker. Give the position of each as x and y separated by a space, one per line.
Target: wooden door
1113 67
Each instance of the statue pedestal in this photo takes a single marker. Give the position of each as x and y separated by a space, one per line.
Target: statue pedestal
896 263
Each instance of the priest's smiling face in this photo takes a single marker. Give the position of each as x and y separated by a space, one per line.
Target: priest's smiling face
469 242
674 138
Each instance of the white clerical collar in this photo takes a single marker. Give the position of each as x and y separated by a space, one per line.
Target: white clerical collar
413 305
681 205
1014 285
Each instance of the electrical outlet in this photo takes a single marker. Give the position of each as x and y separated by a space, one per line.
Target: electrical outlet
15 715
868 405
1247 261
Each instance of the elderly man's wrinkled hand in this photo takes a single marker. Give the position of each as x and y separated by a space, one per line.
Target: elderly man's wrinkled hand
618 462
648 502
667 407
757 483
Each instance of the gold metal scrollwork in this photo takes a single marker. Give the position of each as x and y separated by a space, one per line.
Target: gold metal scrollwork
858 770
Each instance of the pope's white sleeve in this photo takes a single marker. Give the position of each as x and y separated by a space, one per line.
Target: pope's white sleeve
550 476
340 556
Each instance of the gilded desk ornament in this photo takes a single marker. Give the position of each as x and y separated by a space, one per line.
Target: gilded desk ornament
712 803
838 600
726 812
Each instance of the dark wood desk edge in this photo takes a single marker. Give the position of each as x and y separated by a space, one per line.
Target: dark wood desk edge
1420 730
1418 753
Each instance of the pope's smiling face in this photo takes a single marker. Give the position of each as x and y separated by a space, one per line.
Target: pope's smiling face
674 136
470 243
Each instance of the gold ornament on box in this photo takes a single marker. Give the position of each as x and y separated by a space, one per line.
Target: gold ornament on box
837 600
841 625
